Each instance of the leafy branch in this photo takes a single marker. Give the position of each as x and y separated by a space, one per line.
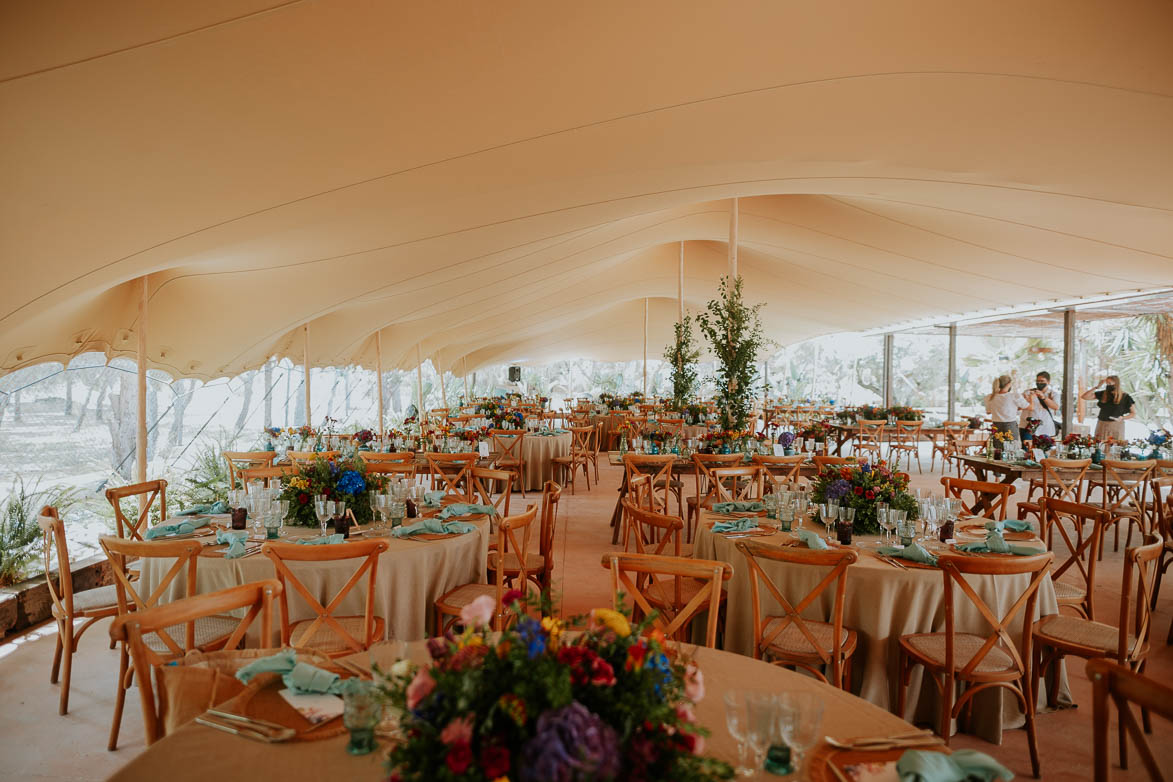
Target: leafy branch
681 356
734 331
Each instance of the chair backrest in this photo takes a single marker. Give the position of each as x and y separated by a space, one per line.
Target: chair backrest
1063 479
483 481
907 432
147 492
672 427
737 483
255 599
376 457
704 463
507 443
654 533
54 544
639 491
366 550
954 568
551 494
1124 687
597 439
1125 485
238 460
264 474
673 616
823 462
659 466
186 554
1140 566
986 498
1163 506
782 469
869 433
403 469
513 534
792 611
580 444
305 457
1081 552
454 472
1164 467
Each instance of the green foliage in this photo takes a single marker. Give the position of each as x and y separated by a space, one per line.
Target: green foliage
681 357
735 333
345 481
861 487
206 481
19 531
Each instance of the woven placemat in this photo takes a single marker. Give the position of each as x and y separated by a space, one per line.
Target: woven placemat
262 700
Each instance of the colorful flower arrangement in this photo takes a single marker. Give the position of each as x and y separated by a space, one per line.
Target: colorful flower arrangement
1159 438
725 438
1032 424
786 439
1074 440
364 436
817 431
1044 442
694 414
537 704
903 413
273 432
345 480
861 486
500 416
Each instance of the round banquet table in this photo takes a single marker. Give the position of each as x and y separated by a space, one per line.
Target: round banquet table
882 602
539 451
411 575
198 753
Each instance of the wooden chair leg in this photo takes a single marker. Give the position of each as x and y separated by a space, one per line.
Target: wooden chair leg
57 655
902 684
1031 737
947 695
120 699
65 647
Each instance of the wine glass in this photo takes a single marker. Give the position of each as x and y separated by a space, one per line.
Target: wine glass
322 509
802 721
761 716
735 721
828 513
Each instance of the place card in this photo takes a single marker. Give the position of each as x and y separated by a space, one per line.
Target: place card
483 450
872 772
1038 454
779 450
316 708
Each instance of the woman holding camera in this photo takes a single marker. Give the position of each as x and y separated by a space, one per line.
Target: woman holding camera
1042 401
1003 405
1115 408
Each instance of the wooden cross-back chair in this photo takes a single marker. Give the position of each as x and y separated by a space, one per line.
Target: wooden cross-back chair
238 460
789 638
578 458
979 498
206 633
484 480
266 475
951 432
513 536
671 427
737 483
334 636
705 493
595 447
1124 491
659 466
652 532
405 470
869 438
1081 551
452 472
905 439
134 630
822 462
539 565
508 449
377 457
978 661
1163 510
1062 480
305 457
88 606
781 469
675 590
147 493
1124 687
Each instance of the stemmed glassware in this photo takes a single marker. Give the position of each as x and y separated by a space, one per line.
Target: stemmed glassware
802 721
735 721
323 509
761 717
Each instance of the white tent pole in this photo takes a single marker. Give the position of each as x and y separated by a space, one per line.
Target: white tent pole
645 347
419 375
733 240
141 436
443 392
305 360
680 287
464 372
379 374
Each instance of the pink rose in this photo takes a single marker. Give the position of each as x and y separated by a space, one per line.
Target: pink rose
421 687
694 683
684 713
478 613
458 730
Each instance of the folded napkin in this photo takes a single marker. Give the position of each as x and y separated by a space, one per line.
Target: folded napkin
740 525
235 539
914 553
175 528
1010 524
432 499
219 506
996 544
964 764
466 509
435 527
1028 463
812 540
325 540
301 677
738 507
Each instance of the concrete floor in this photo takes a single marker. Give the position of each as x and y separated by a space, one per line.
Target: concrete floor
37 744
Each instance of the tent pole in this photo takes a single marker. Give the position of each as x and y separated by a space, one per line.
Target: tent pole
305 360
141 434
951 409
464 371
888 341
733 227
443 393
680 287
645 348
1067 407
419 376
379 375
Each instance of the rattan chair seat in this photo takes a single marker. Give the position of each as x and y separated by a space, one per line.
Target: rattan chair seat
327 640
930 649
1074 631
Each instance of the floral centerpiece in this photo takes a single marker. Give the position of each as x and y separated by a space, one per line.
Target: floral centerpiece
272 434
303 434
537 704
861 486
818 431
500 416
1044 442
1074 440
364 437
694 414
786 440
903 413
870 413
341 481
717 442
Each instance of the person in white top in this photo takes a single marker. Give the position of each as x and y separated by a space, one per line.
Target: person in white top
1003 405
1043 401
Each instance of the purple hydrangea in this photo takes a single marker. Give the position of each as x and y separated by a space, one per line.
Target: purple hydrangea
571 744
786 439
838 489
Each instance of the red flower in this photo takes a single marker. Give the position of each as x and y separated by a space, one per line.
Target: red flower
327 491
635 655
459 757
871 495
845 473
495 761
512 596
302 498
602 674
859 491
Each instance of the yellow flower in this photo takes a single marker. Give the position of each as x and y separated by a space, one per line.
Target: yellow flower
298 482
612 620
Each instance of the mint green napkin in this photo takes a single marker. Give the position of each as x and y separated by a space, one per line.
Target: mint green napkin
325 540
996 544
300 677
914 553
964 764
1010 524
219 506
433 499
175 528
435 527
739 525
1028 463
235 539
738 507
466 509
812 540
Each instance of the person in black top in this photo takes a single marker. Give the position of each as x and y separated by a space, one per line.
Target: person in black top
1115 407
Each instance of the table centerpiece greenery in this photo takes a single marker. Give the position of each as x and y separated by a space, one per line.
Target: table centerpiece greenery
734 332
861 486
344 480
681 357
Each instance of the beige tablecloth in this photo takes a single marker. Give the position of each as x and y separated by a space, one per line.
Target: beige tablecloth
882 603
412 574
539 450
199 753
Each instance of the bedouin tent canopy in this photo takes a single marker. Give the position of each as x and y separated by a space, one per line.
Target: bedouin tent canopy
510 180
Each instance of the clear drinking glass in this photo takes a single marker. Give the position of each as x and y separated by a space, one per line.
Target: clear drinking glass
735 721
761 716
362 711
828 514
802 723
322 510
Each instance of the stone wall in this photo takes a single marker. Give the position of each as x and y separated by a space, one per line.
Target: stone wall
28 603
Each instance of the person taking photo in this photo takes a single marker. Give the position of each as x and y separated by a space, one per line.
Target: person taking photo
1042 401
1116 407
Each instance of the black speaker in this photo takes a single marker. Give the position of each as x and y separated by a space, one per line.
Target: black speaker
514 374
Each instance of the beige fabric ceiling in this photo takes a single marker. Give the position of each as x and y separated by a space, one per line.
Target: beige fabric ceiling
508 181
